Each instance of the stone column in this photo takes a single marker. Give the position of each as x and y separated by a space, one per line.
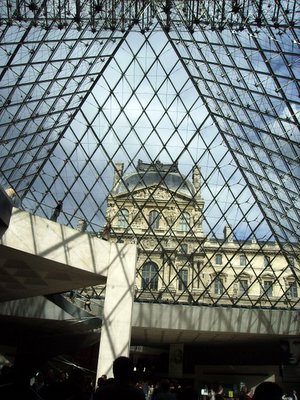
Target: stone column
118 304
176 360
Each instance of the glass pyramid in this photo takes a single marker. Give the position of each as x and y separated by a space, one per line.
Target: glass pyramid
213 84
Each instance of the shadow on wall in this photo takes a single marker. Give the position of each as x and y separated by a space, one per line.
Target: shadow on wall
5 211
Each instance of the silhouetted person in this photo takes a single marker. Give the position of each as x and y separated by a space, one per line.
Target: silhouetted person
122 386
87 303
72 295
187 392
15 384
164 391
244 394
268 391
219 392
57 211
102 381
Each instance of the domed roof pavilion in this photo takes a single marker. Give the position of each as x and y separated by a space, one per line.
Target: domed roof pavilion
155 174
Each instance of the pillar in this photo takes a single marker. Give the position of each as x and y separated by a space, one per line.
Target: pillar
118 304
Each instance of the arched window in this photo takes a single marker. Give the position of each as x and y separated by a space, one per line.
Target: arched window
184 222
154 219
123 218
150 276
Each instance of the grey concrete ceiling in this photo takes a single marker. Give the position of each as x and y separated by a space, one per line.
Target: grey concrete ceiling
25 275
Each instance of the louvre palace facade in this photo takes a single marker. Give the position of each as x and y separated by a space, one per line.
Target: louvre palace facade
162 211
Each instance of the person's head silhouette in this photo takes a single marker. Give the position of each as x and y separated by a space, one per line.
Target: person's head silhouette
123 369
268 390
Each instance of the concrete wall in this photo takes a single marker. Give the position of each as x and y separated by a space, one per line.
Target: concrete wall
216 319
5 211
42 237
117 314
62 252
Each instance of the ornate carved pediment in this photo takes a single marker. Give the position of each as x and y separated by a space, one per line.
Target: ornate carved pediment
118 197
289 278
149 243
221 275
268 275
112 212
243 275
157 193
161 194
141 194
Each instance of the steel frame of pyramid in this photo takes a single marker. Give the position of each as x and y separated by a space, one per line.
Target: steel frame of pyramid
214 83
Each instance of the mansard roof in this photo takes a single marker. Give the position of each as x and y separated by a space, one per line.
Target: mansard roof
155 174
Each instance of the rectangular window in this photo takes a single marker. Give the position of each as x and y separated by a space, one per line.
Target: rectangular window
184 248
219 288
123 218
291 261
243 286
267 261
293 290
182 279
154 219
268 288
184 222
243 260
219 259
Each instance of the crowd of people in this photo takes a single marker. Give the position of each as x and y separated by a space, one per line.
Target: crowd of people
80 385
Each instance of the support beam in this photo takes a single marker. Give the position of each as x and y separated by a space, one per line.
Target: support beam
41 257
117 315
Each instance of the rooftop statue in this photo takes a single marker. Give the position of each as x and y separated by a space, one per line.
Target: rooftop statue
157 166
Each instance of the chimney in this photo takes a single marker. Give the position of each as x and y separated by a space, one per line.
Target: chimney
197 179
81 225
228 233
119 167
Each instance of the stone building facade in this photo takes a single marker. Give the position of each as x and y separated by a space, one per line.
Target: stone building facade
162 211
